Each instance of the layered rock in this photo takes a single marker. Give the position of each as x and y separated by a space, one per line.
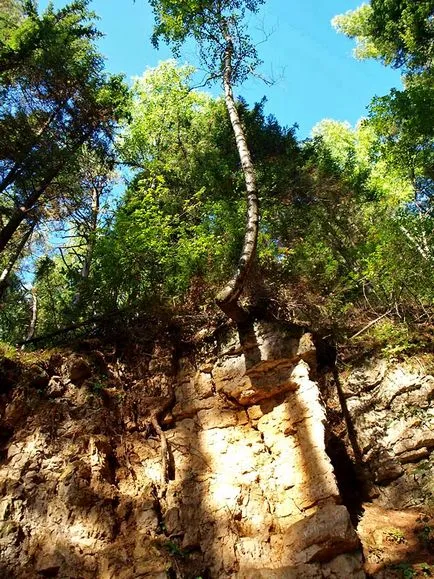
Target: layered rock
255 493
390 408
250 490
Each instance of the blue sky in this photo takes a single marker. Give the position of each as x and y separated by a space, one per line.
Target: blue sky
316 75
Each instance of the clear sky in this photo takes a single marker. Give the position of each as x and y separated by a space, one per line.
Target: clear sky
315 74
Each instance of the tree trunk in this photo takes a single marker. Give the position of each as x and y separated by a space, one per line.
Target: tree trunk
227 298
19 164
34 319
20 213
90 245
12 260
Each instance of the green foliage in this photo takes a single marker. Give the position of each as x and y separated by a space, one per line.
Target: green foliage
405 31
395 535
390 337
54 290
400 32
97 386
401 148
355 238
181 218
355 24
55 98
404 121
208 22
347 220
408 570
56 102
154 251
426 537
15 312
175 550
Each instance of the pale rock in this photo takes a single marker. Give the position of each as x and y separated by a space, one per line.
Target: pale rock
146 520
217 418
190 408
324 535
228 370
386 468
172 521
344 567
316 489
285 507
15 449
365 378
207 367
56 387
413 439
284 474
243 481
191 538
249 551
203 385
279 421
414 455
394 422
231 379
397 382
9 533
255 412
185 391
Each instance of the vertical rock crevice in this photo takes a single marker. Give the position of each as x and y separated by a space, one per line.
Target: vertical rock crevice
389 403
342 445
252 492
251 424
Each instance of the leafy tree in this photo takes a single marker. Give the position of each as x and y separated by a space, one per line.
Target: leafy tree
356 245
96 180
55 98
15 311
181 205
400 32
229 56
180 223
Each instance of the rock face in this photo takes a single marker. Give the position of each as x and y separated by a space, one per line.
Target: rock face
391 411
391 408
255 490
249 492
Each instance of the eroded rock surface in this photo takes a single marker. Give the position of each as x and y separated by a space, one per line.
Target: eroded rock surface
250 491
390 407
249 447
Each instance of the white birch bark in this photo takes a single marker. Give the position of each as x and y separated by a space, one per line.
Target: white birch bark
227 299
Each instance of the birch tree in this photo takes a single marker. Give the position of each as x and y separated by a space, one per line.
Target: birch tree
227 52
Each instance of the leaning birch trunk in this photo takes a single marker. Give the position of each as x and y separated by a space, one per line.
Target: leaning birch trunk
90 246
227 298
34 319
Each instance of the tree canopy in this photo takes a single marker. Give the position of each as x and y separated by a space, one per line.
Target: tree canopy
118 200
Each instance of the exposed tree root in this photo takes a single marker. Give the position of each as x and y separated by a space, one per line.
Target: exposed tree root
164 451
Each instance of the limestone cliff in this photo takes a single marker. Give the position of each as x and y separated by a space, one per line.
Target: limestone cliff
213 461
390 408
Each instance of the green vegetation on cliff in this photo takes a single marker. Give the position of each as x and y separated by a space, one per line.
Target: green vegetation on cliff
346 228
